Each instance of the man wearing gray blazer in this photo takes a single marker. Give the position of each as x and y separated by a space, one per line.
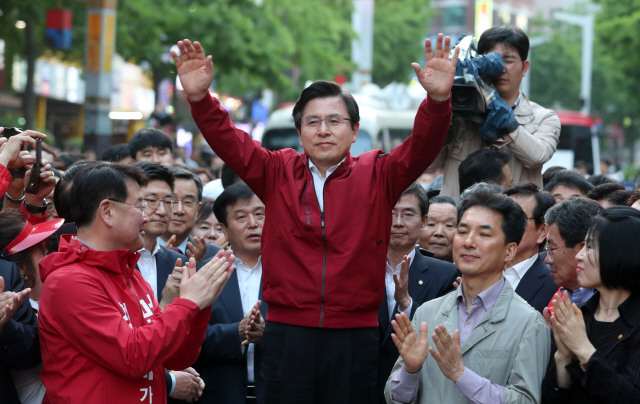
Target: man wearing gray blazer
487 344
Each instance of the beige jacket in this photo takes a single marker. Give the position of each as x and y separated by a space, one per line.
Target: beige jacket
510 347
534 142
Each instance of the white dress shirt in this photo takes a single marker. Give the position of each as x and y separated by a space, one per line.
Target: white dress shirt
515 274
319 180
148 269
391 286
249 285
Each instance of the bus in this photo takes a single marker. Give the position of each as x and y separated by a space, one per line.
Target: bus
578 142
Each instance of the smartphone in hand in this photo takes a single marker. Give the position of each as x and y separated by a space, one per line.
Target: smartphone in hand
34 179
8 132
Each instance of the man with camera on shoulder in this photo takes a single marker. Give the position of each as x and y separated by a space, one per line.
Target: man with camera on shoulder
537 129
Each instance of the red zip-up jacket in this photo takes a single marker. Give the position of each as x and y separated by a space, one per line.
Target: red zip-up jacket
103 337
325 269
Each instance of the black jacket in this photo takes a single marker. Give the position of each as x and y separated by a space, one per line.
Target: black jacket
222 363
429 278
537 286
19 343
612 374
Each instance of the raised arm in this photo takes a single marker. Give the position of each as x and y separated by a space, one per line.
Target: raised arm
256 166
406 162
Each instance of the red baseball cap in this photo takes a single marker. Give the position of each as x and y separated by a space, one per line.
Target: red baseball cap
32 235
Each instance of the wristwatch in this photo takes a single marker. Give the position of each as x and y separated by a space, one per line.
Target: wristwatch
36 209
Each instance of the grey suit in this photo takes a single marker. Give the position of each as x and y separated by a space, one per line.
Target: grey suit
510 347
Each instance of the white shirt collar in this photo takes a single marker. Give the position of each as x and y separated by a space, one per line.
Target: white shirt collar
156 248
329 171
521 268
515 104
240 265
411 255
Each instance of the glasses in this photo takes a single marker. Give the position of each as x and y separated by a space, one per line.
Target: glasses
141 208
333 121
154 203
186 203
551 251
406 217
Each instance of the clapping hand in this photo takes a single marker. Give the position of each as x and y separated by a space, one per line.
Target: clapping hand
254 332
449 354
568 325
199 249
412 349
402 285
438 73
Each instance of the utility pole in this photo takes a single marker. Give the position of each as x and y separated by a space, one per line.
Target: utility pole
362 46
101 38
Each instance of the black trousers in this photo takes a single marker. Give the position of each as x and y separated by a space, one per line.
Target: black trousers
319 365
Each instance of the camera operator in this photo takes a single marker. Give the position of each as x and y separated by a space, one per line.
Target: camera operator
535 139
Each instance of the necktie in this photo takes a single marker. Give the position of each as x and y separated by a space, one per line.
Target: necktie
177 250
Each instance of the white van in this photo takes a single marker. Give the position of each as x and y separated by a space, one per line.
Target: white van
379 129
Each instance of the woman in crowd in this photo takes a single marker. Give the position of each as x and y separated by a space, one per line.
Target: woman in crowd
207 226
25 244
597 359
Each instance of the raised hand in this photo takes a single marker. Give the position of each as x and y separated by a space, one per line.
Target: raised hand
199 249
412 349
11 153
194 69
169 244
457 282
438 73
449 354
401 294
171 288
568 324
204 287
256 326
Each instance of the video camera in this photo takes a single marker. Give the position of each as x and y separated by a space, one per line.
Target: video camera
473 97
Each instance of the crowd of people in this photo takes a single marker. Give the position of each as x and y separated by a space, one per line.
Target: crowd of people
281 277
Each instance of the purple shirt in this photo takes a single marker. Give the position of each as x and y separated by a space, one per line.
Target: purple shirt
404 385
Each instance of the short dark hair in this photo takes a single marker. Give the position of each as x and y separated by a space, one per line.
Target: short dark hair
325 89
599 179
572 216
116 153
228 197
156 172
569 179
514 220
549 173
94 183
544 200
509 36
635 195
420 193
612 192
149 137
442 199
615 233
180 173
482 166
228 177
63 189
206 209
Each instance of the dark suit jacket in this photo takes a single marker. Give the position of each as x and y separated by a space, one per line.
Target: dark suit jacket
165 262
437 279
222 363
537 286
19 343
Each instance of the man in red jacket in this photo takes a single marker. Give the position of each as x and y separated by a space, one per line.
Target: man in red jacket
326 234
103 336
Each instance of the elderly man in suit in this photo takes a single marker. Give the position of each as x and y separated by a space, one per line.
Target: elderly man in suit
188 198
19 343
229 361
528 274
487 344
412 276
